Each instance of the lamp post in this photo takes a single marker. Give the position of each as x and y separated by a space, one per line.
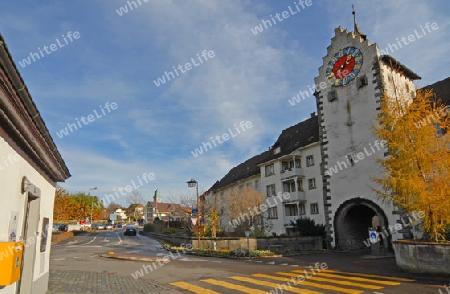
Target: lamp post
92 202
193 183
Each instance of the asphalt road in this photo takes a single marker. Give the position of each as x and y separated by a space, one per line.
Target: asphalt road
179 273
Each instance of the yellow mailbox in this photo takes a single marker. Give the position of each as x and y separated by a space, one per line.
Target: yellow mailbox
10 262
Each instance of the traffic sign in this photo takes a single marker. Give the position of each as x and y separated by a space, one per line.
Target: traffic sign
194 210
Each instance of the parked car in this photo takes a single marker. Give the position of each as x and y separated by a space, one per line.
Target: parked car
119 225
55 227
109 226
85 227
64 227
101 227
94 226
130 231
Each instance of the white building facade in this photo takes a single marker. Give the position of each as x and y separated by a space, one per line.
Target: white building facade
30 167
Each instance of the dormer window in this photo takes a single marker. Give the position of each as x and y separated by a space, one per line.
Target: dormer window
277 150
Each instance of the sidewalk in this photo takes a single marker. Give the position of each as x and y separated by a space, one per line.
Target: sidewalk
94 282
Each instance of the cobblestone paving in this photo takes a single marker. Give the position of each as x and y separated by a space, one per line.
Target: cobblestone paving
94 282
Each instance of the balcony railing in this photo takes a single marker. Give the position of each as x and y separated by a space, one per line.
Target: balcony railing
292 172
297 196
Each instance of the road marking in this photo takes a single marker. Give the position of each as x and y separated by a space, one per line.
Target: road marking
271 262
233 286
346 283
133 251
90 242
105 240
388 283
120 239
273 285
193 288
306 283
370 276
58 259
79 246
73 242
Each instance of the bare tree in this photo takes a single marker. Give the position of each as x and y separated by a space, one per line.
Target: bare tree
135 197
244 211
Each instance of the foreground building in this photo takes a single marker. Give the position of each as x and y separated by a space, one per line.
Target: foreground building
29 170
328 166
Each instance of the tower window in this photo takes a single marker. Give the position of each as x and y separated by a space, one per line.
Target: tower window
332 96
362 81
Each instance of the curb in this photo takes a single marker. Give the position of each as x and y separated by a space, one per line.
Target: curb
130 257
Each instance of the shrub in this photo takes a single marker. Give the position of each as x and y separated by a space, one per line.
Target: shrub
149 228
170 231
308 227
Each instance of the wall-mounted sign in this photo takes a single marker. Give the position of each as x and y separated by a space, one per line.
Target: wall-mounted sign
13 223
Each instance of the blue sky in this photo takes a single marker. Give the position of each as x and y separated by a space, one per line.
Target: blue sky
250 78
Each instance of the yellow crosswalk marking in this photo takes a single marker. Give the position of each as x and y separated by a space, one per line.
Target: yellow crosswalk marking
388 283
283 287
234 286
311 284
193 288
369 276
346 283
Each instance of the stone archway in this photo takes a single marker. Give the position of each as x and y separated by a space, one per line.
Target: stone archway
351 223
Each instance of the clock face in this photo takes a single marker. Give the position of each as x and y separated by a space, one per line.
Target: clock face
344 66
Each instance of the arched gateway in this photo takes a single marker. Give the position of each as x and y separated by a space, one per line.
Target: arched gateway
352 220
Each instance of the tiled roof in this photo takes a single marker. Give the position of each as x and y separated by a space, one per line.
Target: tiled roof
441 89
292 138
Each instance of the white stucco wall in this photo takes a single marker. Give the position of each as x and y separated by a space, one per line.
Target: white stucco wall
354 181
13 201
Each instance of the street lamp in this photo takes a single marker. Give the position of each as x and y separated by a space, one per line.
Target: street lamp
193 183
92 202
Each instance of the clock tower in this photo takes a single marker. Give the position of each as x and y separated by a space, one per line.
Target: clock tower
352 81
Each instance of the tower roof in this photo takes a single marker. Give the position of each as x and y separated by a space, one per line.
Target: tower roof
356 28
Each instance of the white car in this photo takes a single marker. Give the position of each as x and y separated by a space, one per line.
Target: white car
109 227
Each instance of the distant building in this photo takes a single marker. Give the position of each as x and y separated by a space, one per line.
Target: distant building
121 215
29 170
157 209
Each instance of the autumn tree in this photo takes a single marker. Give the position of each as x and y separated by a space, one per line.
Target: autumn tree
75 206
244 210
211 211
61 205
416 173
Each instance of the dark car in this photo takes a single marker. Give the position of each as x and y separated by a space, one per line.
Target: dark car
63 227
119 225
130 231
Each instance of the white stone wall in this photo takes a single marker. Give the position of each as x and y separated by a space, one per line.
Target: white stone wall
11 174
342 138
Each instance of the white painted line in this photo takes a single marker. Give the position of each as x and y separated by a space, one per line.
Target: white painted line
271 262
57 259
133 251
284 264
260 261
90 242
105 240
296 265
73 242
79 246
120 239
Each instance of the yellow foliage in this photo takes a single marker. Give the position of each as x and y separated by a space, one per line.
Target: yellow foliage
417 171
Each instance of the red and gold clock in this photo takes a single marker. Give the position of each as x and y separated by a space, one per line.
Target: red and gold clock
344 66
